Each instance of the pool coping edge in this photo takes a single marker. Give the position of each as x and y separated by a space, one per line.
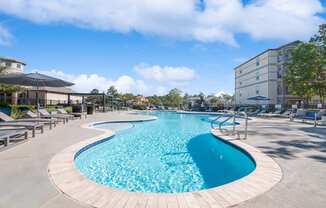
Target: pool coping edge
68 180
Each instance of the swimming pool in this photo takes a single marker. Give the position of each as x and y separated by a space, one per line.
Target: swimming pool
175 153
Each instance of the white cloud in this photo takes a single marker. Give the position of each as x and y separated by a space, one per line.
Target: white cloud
221 93
5 36
124 83
166 74
87 82
219 21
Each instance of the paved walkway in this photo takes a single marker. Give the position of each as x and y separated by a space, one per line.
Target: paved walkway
299 149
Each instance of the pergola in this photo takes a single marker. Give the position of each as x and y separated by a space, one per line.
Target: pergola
83 95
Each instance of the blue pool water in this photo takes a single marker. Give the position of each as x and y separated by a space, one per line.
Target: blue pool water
175 153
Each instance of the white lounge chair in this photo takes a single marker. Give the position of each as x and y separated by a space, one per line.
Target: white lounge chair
28 125
50 122
45 114
9 134
79 115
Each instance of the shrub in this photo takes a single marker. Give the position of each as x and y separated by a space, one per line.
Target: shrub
17 111
139 107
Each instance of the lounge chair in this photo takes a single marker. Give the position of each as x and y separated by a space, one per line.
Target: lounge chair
276 113
300 114
254 113
45 114
263 112
50 122
69 116
286 114
79 115
8 134
323 120
311 115
28 125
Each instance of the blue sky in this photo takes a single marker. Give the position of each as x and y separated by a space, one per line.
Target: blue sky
151 56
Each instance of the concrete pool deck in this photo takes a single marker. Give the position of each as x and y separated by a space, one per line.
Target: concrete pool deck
299 149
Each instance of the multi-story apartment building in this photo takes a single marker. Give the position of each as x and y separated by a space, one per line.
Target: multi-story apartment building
263 75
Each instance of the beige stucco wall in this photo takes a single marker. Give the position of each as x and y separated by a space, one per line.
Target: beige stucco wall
13 68
55 98
62 98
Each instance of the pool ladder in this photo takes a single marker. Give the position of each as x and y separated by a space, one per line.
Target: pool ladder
228 115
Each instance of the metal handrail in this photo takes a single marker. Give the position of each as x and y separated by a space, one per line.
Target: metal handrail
216 119
234 115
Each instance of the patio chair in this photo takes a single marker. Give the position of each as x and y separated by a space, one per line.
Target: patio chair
49 122
300 114
276 113
45 114
286 114
79 115
69 116
9 134
33 126
263 112
323 119
254 113
311 115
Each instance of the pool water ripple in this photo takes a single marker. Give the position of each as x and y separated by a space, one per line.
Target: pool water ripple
175 153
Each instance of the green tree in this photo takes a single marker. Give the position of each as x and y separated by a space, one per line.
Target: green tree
320 39
96 99
112 91
306 70
302 69
173 98
319 82
5 88
95 91
126 98
155 100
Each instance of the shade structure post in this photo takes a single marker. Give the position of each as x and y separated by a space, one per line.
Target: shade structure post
69 101
37 101
103 99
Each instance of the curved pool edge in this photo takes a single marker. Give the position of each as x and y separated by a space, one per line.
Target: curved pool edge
66 177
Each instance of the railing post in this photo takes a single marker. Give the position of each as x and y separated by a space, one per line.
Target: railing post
246 126
315 121
234 113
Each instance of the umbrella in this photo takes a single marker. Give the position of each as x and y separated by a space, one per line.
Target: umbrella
34 79
258 98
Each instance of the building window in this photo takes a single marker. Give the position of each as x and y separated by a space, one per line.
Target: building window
257 92
279 72
286 90
8 64
19 66
279 59
257 77
257 62
286 56
240 94
240 72
279 75
279 90
240 83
